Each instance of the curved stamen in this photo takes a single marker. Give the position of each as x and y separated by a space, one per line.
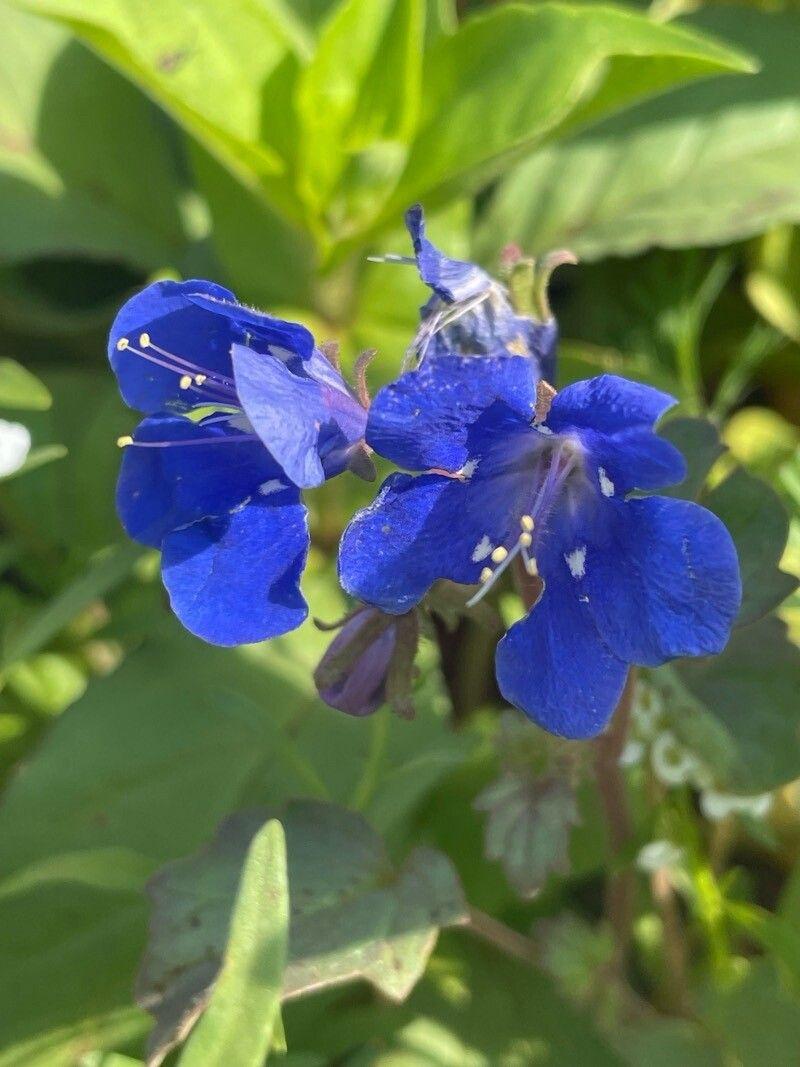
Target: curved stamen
128 442
563 461
208 385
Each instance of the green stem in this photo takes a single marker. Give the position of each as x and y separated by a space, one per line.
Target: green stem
379 736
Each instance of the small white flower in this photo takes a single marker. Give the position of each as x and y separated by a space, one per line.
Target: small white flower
672 763
15 444
658 854
716 806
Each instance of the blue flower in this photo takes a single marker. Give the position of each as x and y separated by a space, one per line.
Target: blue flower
470 313
514 476
242 412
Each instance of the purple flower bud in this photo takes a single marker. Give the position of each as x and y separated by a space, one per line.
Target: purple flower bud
352 674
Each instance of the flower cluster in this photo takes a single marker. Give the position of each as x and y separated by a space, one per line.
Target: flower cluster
243 411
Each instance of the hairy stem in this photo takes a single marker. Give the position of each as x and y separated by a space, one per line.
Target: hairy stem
502 937
621 883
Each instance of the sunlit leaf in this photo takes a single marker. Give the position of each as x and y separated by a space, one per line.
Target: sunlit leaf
703 165
106 186
238 1024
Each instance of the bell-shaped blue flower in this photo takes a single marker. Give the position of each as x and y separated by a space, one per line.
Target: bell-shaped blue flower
512 474
469 312
242 412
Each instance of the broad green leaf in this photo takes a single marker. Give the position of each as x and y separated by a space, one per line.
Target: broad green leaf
528 826
20 389
358 98
267 261
352 915
759 525
145 765
105 186
750 690
703 165
237 1026
214 72
509 77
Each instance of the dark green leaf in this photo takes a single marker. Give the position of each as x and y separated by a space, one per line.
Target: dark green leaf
751 690
699 442
352 915
759 525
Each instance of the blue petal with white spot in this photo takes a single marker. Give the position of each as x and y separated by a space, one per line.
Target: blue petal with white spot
625 580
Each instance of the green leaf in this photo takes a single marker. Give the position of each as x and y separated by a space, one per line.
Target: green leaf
751 691
214 73
754 1019
237 1026
107 571
759 525
699 442
528 827
360 94
19 389
535 66
106 186
352 915
111 778
704 165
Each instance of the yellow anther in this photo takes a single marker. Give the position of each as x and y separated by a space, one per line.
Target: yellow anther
486 574
199 378
122 344
126 439
526 539
499 554
527 523
531 566
185 381
144 340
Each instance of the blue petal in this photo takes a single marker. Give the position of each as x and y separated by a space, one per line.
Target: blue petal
661 577
554 666
235 580
160 489
289 336
608 404
424 419
632 459
421 529
165 311
451 279
307 423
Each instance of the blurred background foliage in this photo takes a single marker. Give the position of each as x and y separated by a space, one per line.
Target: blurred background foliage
272 145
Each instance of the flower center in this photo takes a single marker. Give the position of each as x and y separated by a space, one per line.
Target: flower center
557 467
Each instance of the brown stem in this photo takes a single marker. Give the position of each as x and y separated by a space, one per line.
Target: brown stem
508 941
614 798
675 954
